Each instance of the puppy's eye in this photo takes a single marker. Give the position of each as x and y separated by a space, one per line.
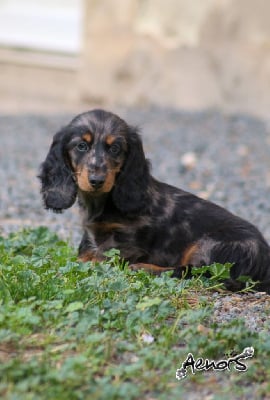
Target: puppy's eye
82 146
115 149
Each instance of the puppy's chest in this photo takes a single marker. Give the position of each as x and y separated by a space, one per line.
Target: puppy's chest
120 235
114 231
107 235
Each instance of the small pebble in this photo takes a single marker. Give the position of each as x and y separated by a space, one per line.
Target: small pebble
189 160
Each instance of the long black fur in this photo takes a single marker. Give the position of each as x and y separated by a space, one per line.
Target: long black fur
59 189
154 225
130 195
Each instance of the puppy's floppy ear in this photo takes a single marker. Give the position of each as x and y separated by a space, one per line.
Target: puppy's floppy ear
130 191
58 187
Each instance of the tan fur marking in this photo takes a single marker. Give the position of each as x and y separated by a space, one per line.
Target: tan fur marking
188 254
108 226
89 256
84 184
82 180
110 139
87 137
151 268
110 180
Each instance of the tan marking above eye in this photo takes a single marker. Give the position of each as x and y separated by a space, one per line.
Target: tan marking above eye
87 137
110 139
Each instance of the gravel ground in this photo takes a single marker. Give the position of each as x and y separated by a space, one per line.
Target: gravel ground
223 158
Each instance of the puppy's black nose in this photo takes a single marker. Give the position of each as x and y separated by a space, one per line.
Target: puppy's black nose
96 181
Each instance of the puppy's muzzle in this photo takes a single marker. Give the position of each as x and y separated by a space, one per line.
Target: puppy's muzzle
96 181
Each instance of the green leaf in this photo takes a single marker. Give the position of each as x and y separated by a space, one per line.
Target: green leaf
19 260
118 286
148 302
220 271
75 306
5 295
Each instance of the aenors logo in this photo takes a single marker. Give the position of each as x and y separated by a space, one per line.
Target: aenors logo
200 364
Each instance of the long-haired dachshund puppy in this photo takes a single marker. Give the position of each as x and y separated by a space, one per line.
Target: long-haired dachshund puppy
99 158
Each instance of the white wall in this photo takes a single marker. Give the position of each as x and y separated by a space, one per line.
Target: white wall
41 24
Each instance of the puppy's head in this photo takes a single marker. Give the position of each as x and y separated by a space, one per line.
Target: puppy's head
97 150
96 153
